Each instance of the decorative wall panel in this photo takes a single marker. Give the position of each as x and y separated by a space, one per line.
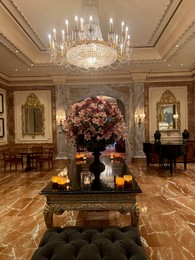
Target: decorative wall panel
155 94
45 99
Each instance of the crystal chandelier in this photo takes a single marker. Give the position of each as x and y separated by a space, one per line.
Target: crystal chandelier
83 47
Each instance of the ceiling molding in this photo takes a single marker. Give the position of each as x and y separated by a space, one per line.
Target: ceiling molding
187 35
10 46
25 26
164 21
70 80
172 76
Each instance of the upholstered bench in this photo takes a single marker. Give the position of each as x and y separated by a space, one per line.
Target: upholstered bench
89 243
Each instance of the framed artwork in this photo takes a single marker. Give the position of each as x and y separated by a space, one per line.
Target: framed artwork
1 127
168 112
1 103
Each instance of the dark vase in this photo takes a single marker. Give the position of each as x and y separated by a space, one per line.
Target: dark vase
185 135
97 167
157 136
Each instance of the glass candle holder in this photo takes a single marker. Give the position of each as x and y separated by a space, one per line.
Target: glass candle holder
78 157
119 182
127 181
85 180
61 183
111 156
54 181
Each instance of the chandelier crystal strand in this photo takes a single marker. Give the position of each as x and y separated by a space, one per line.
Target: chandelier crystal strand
83 47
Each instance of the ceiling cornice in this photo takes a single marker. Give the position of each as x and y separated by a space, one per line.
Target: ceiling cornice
76 80
172 76
19 18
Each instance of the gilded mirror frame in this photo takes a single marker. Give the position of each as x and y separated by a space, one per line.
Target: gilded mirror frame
168 116
33 117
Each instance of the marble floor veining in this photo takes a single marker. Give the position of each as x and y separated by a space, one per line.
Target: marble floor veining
167 212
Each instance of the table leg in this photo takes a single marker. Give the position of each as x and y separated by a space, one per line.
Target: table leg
27 163
171 167
185 162
48 216
148 159
134 211
134 215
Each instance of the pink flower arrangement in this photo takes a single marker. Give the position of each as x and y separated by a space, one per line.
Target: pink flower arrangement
94 123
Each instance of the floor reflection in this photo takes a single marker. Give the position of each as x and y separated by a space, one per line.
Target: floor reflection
167 212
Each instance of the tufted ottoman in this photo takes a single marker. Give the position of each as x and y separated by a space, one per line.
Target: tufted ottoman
88 243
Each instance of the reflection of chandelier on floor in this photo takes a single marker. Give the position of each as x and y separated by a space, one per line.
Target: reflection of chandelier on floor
83 48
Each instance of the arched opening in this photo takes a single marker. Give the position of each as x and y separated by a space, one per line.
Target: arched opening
104 94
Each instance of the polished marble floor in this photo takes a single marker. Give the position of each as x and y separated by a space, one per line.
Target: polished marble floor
167 212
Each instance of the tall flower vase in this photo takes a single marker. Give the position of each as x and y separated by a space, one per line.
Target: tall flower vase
97 167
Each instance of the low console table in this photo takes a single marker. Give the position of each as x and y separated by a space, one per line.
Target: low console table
109 199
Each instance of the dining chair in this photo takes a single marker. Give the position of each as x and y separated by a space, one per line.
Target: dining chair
47 156
10 158
37 151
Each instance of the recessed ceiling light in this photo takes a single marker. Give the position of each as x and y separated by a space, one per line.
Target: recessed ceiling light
17 51
181 64
177 46
169 65
31 64
16 69
28 69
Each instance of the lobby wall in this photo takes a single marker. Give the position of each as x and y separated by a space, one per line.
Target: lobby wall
134 95
190 106
14 120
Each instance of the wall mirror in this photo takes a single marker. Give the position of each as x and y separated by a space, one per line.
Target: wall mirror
168 112
33 119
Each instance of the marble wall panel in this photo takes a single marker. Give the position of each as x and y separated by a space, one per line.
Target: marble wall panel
132 97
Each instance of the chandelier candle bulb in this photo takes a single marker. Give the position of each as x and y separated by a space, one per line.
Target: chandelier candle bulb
126 31
122 28
111 25
63 36
90 22
49 36
76 23
54 34
136 117
66 23
128 42
53 45
116 39
81 21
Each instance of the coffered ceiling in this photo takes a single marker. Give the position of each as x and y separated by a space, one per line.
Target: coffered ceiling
162 34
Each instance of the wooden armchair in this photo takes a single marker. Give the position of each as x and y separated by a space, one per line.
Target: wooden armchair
47 156
11 158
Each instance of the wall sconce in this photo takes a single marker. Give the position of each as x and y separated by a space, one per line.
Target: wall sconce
139 119
59 120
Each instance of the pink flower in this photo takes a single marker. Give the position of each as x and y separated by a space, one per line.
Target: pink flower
94 120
